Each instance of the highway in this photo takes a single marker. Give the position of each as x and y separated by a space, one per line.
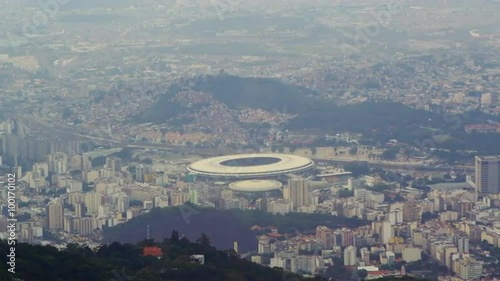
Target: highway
401 166
405 167
60 132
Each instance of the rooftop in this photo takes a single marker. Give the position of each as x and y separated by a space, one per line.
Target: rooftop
250 165
255 185
489 158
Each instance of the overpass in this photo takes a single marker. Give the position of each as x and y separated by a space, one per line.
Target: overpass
101 152
399 166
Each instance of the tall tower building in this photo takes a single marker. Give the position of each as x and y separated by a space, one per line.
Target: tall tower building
347 237
54 216
325 235
58 162
79 210
463 244
141 171
387 232
93 200
350 256
365 256
261 204
488 174
298 192
463 207
412 211
114 163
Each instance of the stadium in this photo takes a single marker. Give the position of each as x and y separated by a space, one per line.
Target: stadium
255 186
250 166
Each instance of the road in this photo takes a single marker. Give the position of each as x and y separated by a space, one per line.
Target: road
59 132
401 166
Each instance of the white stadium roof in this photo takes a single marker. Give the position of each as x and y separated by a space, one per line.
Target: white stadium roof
255 185
248 166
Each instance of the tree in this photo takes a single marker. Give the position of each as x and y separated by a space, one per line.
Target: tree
204 241
381 187
390 154
353 150
136 203
362 273
174 237
344 193
313 150
357 169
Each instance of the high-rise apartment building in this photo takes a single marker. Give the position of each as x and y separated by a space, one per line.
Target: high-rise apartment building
347 237
79 210
387 232
297 192
54 216
325 235
462 244
412 211
350 256
468 269
57 162
114 163
365 256
93 200
141 171
488 174
463 207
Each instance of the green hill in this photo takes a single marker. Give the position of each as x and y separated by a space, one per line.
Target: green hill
379 121
268 94
223 226
403 278
235 92
125 262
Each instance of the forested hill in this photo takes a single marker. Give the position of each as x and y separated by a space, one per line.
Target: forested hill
234 92
265 93
125 262
223 226
379 121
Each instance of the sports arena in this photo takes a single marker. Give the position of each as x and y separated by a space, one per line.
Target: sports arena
257 165
255 186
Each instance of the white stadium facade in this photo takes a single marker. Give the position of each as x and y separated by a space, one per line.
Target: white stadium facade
255 186
250 166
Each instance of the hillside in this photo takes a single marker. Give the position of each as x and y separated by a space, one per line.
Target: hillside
223 226
234 92
125 262
268 94
380 121
384 120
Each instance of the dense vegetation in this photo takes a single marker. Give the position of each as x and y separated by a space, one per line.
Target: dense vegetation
224 226
382 121
378 121
268 94
125 262
235 92
403 278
